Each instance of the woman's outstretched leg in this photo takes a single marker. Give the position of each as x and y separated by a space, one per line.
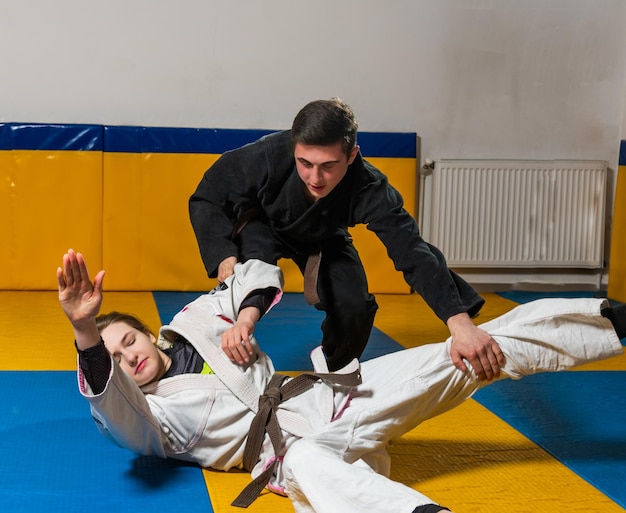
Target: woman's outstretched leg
403 389
319 481
551 335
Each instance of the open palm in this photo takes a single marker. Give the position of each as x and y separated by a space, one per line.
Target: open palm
80 298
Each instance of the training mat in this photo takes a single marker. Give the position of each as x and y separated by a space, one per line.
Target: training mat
525 296
54 458
467 459
577 417
287 334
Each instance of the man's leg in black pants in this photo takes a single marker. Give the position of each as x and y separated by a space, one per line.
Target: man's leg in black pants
341 286
350 308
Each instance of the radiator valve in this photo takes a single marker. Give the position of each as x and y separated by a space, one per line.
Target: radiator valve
427 168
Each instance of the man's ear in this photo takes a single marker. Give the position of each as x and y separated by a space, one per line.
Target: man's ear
353 154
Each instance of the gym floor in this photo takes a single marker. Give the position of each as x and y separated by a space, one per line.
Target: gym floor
551 442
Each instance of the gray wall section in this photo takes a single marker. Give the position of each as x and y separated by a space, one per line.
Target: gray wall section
532 79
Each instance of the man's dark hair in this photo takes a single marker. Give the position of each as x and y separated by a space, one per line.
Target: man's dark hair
324 123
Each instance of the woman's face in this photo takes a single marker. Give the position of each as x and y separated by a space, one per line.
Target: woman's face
135 352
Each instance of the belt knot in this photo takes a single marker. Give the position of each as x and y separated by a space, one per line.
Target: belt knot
271 398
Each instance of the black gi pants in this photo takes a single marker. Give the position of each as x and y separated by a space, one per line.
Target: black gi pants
342 287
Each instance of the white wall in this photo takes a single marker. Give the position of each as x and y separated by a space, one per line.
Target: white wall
474 78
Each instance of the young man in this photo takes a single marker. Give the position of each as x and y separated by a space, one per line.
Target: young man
293 194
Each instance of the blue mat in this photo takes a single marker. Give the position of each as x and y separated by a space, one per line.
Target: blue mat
287 334
577 417
54 458
525 296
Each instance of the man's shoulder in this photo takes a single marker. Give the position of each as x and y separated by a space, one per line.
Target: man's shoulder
366 173
278 141
278 150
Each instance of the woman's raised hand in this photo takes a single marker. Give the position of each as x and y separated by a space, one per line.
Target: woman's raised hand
80 298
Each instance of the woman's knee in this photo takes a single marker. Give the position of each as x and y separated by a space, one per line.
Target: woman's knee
298 456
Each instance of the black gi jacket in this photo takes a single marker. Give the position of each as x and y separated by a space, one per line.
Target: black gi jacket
263 176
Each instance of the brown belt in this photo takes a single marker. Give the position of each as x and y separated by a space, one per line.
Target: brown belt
311 271
243 220
265 421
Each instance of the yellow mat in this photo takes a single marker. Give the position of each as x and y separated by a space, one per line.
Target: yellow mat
38 334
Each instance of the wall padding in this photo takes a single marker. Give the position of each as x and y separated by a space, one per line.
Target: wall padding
617 261
51 200
120 195
148 242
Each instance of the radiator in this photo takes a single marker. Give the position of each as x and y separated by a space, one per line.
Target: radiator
541 214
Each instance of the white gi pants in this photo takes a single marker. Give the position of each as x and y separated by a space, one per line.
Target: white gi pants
342 468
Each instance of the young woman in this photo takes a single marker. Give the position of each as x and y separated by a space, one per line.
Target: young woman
203 391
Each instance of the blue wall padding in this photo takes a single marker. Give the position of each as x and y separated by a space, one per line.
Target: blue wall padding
129 139
622 153
34 136
388 144
287 334
57 461
578 417
6 139
136 139
526 296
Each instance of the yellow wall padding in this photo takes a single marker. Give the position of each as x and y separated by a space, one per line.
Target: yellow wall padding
381 274
148 241
50 201
617 261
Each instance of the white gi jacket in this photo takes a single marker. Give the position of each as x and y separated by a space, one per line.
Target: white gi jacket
206 418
